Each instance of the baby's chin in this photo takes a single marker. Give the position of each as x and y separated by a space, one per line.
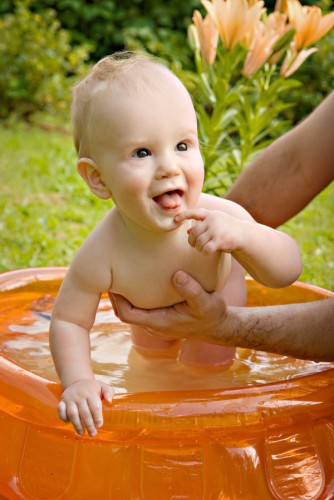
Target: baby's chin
168 225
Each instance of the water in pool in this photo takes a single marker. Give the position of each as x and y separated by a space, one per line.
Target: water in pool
25 315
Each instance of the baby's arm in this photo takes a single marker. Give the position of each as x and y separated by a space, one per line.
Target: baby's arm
72 318
269 256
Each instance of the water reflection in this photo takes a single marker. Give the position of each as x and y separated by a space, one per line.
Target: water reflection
24 339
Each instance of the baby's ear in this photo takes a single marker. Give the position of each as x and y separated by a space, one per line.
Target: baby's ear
88 170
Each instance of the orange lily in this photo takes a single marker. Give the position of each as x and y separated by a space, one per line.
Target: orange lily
310 26
234 19
263 41
309 22
294 59
208 35
281 6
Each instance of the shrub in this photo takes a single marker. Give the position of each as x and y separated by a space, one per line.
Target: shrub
111 25
37 62
244 59
317 75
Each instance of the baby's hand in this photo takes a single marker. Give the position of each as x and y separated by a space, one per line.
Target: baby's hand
81 404
213 230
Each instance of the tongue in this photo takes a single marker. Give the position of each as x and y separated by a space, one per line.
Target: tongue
168 200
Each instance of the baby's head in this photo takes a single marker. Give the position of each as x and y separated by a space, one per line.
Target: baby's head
122 72
135 132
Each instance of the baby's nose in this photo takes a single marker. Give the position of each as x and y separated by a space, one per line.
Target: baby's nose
167 167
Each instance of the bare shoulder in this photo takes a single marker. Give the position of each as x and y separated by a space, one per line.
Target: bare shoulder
210 202
91 266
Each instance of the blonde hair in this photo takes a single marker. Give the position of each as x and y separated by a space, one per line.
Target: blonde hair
122 70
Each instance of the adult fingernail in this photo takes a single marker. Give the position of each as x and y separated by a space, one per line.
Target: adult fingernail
180 277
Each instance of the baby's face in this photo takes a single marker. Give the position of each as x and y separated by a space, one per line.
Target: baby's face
146 148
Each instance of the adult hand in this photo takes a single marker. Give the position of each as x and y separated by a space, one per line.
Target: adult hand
200 312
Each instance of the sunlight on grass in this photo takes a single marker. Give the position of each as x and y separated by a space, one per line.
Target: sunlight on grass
47 210
313 230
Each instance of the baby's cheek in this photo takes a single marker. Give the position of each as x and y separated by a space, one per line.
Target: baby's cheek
135 183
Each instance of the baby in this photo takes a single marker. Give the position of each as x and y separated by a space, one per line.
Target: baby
135 132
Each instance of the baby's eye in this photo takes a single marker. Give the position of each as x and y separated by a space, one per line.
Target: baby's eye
182 146
142 153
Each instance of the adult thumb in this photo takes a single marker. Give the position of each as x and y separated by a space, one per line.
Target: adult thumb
189 289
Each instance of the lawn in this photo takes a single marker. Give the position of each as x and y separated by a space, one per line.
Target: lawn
47 210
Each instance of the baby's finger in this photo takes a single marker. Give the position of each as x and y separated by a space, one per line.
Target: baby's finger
107 393
74 417
87 418
62 411
195 213
95 410
209 247
202 241
198 230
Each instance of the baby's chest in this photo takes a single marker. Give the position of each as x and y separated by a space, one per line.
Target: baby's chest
146 280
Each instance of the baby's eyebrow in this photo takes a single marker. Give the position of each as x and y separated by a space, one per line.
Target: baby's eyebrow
132 145
133 141
193 136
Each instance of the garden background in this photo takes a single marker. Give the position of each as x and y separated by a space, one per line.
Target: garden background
46 209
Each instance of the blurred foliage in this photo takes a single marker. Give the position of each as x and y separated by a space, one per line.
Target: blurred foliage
316 74
239 119
317 77
112 25
243 95
109 25
46 210
37 63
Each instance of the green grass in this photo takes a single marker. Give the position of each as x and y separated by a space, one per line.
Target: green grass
313 230
47 210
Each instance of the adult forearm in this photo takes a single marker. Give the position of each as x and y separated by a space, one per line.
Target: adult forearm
272 189
291 171
303 331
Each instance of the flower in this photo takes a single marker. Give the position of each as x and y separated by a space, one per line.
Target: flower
281 6
208 35
193 39
309 22
310 26
264 38
294 59
234 19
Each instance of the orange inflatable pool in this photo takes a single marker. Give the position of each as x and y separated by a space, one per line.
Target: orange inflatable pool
266 440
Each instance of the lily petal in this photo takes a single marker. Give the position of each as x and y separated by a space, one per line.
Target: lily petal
309 23
288 69
207 36
234 18
265 36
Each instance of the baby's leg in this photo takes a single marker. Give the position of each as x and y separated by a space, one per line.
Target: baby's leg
203 353
150 344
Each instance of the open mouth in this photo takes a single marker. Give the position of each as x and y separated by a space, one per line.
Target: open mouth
170 199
